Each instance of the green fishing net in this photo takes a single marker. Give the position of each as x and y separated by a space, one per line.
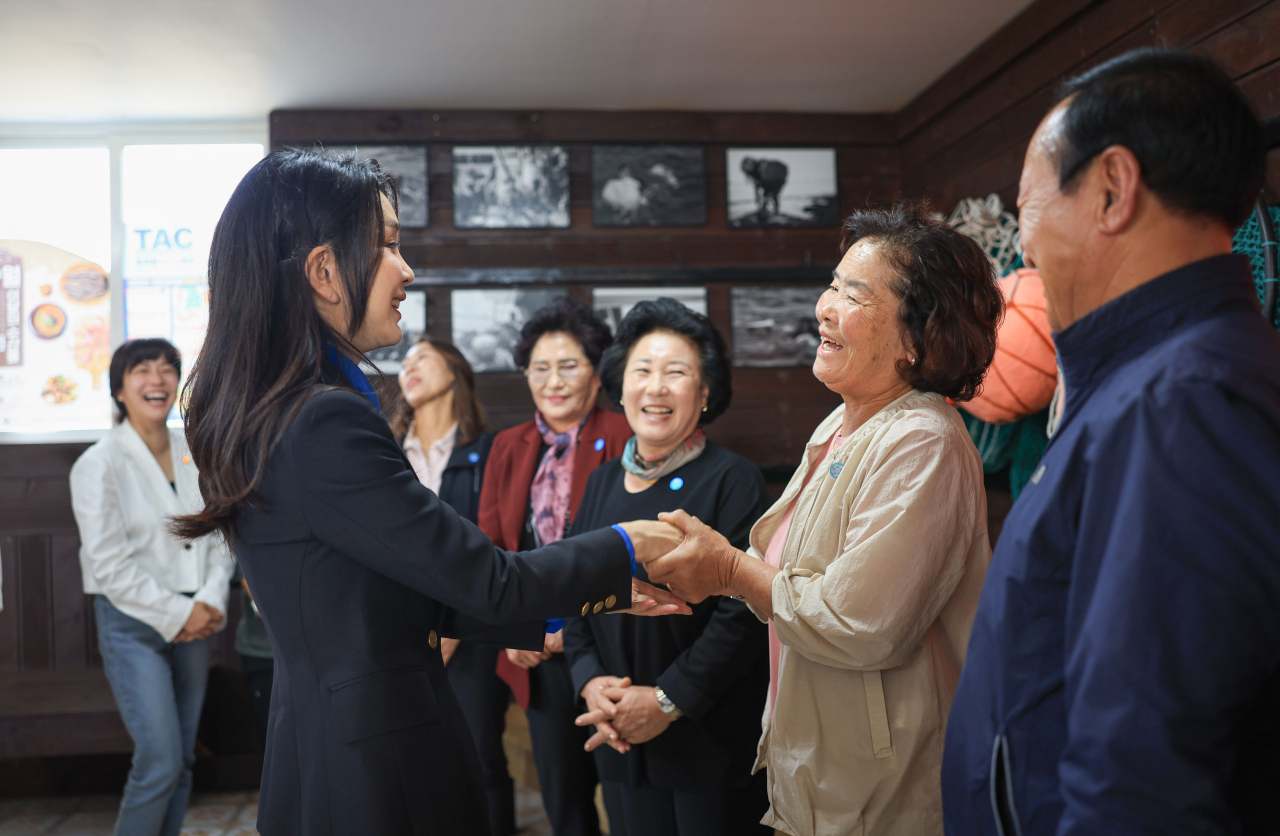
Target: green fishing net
1248 241
1019 446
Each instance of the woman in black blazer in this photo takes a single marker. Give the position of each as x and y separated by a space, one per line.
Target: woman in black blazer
678 700
357 568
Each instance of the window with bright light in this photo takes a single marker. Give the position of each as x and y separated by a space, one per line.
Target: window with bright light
171 199
99 245
55 296
60 197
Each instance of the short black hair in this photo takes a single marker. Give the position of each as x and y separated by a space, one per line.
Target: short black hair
666 314
132 354
564 315
949 304
1194 134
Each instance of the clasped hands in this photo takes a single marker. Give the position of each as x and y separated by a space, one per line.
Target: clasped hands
201 624
623 714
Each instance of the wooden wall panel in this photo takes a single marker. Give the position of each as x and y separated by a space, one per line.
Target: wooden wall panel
973 143
12 604
70 615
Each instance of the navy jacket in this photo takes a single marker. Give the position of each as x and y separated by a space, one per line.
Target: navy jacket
463 476
1123 675
358 570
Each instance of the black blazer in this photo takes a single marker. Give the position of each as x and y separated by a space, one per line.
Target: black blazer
358 570
714 664
463 476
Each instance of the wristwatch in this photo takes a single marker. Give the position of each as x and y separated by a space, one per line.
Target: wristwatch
667 706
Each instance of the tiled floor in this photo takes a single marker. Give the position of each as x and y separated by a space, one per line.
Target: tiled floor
210 814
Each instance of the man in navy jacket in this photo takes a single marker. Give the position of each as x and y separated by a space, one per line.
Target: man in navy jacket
1123 675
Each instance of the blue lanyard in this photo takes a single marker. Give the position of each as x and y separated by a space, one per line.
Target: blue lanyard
354 376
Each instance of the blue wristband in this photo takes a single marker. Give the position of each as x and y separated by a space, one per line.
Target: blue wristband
631 549
555 625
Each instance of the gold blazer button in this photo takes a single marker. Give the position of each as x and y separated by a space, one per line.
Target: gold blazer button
610 601
586 608
433 639
598 607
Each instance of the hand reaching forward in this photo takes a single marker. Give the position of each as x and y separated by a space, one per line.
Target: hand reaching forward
649 600
600 711
702 566
652 538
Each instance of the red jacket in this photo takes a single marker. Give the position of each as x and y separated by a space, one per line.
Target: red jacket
504 498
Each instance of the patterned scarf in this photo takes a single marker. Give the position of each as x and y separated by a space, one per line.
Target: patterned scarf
653 469
549 493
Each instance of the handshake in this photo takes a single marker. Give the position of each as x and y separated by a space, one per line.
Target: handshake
690 558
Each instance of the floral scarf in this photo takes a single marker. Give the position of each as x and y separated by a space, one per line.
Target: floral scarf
553 481
652 469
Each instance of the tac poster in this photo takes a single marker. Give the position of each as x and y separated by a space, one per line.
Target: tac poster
55 348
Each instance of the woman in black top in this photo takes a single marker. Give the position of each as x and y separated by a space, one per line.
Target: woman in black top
357 568
678 701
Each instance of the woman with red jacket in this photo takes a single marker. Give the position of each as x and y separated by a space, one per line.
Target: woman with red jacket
533 485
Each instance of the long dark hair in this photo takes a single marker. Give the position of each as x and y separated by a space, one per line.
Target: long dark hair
467 409
266 341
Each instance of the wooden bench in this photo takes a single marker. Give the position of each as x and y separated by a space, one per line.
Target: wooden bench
47 713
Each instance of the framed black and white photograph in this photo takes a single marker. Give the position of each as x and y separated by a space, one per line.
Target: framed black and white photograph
648 185
413 324
775 326
787 187
510 186
487 323
406 163
613 303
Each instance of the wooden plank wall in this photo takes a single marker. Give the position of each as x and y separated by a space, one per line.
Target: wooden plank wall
773 409
48 622
966 135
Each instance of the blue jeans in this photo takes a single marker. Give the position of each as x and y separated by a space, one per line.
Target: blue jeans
159 688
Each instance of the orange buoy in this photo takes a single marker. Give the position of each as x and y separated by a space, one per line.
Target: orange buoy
1024 373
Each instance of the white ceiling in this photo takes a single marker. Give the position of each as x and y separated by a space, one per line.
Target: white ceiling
107 60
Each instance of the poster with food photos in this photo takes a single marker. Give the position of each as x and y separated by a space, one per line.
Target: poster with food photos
55 343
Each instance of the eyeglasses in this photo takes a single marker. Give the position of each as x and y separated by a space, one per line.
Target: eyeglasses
569 371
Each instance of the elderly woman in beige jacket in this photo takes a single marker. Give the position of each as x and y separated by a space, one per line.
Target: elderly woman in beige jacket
869 566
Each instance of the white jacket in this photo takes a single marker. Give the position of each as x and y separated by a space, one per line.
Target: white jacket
122 503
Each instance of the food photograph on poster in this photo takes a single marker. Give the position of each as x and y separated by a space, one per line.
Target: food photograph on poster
486 323
55 346
406 163
612 304
648 185
774 327
510 187
781 187
413 323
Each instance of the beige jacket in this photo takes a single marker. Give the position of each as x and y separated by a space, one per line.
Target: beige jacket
881 571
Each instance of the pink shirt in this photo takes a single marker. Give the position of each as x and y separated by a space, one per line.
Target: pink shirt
773 556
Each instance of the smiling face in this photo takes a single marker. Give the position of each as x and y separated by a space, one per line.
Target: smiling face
148 391
562 380
1055 226
381 326
862 337
424 375
662 391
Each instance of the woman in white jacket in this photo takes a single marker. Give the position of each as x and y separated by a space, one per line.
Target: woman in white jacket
157 599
